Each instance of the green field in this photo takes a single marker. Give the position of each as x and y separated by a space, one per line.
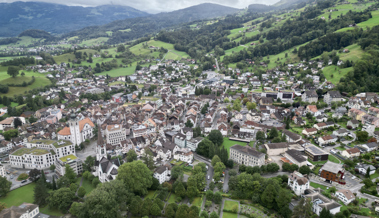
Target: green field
92 42
334 74
333 159
172 198
315 185
342 9
25 41
87 185
197 202
150 194
355 53
229 143
70 56
16 81
228 205
19 196
229 215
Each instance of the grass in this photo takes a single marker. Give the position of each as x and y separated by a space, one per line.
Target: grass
150 194
333 159
315 185
317 162
96 41
13 104
340 148
197 201
71 156
334 74
228 205
355 53
172 198
87 185
229 143
375 175
229 215
19 196
32 151
116 83
17 80
51 212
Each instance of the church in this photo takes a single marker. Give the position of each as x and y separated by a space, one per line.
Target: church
106 170
77 131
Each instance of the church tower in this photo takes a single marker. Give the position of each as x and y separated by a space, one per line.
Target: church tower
101 150
74 129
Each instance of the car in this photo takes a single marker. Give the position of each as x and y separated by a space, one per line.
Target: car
11 177
209 177
23 181
46 172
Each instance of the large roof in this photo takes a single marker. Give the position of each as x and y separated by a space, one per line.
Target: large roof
332 167
247 150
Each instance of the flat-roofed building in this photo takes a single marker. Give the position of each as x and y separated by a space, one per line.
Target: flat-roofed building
333 172
276 148
71 160
316 154
296 157
246 155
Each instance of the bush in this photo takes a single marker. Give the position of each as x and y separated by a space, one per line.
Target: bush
235 209
22 176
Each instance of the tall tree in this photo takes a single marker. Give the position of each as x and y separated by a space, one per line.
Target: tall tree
136 177
216 137
70 174
17 122
303 209
61 199
155 210
5 186
34 174
148 159
268 196
131 156
13 71
180 190
215 160
40 193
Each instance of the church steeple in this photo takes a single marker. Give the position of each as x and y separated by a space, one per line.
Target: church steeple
101 150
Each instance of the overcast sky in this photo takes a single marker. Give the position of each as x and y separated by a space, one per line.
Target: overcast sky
155 6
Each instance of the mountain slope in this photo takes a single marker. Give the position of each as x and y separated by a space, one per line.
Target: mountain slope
54 18
146 25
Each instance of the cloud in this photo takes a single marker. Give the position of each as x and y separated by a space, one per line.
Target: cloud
156 6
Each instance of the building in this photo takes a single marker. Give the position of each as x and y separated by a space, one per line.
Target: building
2 171
9 122
309 96
73 161
276 148
180 140
316 154
345 195
115 134
296 157
332 96
163 174
326 140
139 130
77 131
193 143
105 169
353 123
320 202
298 183
309 131
25 210
333 172
290 136
117 97
40 154
185 156
246 155
351 153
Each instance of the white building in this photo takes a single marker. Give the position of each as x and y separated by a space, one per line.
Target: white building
115 134
40 154
319 202
73 161
185 156
2 171
298 183
25 210
345 195
180 140
246 155
193 143
77 131
9 122
163 174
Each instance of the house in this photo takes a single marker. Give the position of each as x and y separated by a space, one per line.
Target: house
309 96
246 155
353 123
332 96
345 195
185 156
316 154
2 171
25 210
363 168
326 140
298 183
370 129
71 160
320 202
290 136
333 172
313 110
276 148
341 132
296 157
163 174
370 146
356 114
309 131
350 153
266 101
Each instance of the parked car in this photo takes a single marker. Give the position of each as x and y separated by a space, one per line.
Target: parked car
23 181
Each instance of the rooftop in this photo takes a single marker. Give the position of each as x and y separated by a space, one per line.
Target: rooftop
42 141
71 156
62 143
32 151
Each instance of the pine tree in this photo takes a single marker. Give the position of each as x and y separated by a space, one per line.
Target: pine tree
40 193
43 177
54 186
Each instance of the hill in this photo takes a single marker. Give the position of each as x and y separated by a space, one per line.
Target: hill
282 4
37 34
57 19
139 27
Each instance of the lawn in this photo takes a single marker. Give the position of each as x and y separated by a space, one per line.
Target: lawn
197 201
13 104
229 215
19 196
87 186
172 198
228 205
52 212
340 148
150 194
334 74
315 185
333 159
120 71
373 176
229 143
317 162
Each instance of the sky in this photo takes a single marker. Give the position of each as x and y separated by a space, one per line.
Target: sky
155 6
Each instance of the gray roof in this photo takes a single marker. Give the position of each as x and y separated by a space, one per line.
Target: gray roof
332 167
248 150
297 155
311 94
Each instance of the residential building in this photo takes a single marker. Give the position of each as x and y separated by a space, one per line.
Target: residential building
193 143
309 96
371 146
290 136
326 140
9 122
356 114
276 148
40 154
353 123
316 154
309 131
332 96
298 183
363 168
139 130
345 195
320 202
180 140
25 210
2 171
350 153
333 172
246 155
115 134
77 131
71 160
185 156
163 174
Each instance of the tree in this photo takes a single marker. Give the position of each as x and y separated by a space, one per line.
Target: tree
215 160
70 174
204 214
286 167
52 167
131 156
326 213
89 163
283 200
40 193
148 159
237 105
216 137
136 176
135 205
303 209
121 48
180 191
268 196
272 167
304 169
251 105
273 133
189 124
155 210
73 187
176 172
76 209
367 173
61 199
217 198
81 191
5 186
260 136
34 174
13 71
214 215
17 122
362 136
63 182
54 186
182 211
203 147
294 167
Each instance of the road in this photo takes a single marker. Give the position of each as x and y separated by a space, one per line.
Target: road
322 84
210 171
218 68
